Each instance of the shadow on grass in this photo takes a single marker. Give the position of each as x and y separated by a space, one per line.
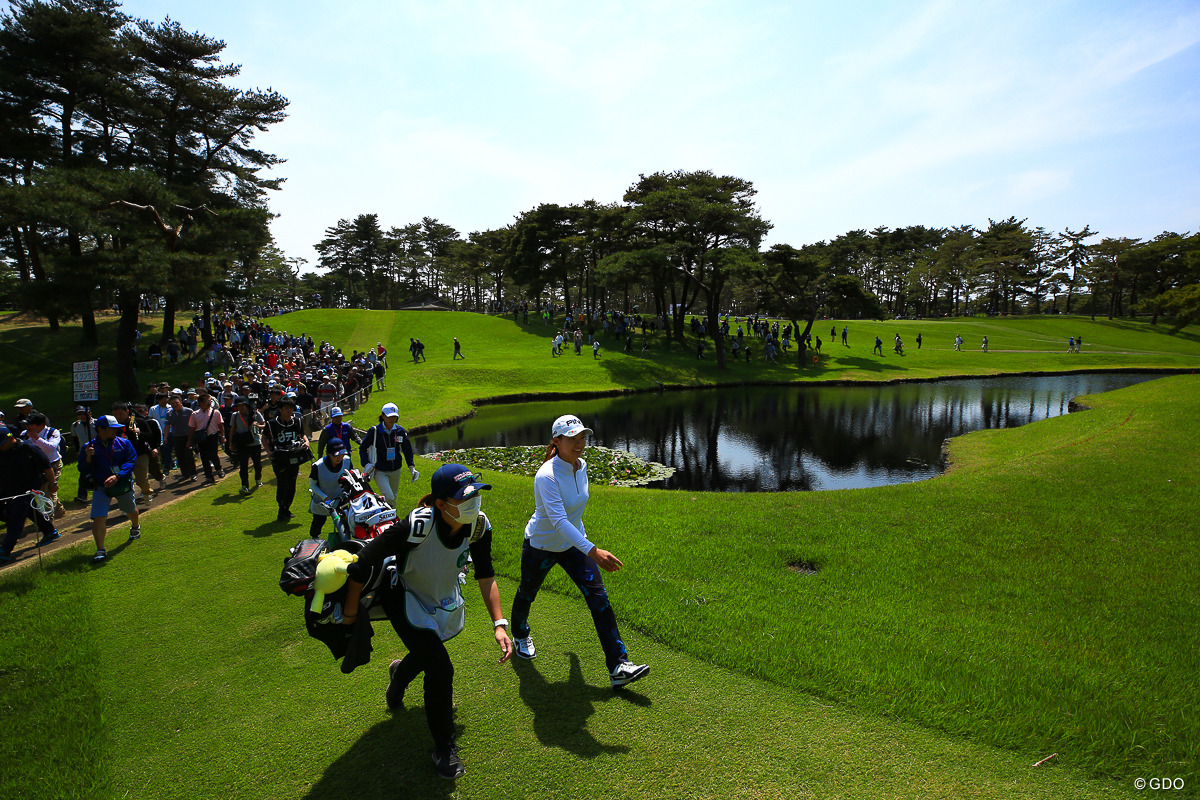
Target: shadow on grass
270 528
390 760
560 710
865 364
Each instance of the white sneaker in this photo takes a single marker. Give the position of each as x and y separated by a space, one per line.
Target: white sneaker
135 533
524 647
628 672
100 556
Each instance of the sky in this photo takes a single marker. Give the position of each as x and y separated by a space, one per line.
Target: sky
844 116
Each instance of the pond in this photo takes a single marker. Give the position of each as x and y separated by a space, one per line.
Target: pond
789 438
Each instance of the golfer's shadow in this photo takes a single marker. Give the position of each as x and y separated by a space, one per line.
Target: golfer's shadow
391 759
560 710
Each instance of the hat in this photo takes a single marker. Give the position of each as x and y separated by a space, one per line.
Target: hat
335 412
24 402
335 446
208 374
454 482
390 410
177 392
78 410
240 401
568 425
107 421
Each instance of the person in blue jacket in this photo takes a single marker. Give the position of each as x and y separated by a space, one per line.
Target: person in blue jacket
384 450
336 429
110 459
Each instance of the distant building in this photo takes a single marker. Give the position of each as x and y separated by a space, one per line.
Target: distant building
425 300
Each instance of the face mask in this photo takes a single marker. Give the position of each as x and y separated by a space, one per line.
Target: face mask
468 512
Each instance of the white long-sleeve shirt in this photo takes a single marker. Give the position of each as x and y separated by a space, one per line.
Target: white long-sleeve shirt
560 495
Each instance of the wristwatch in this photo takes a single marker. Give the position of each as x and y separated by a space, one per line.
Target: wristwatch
500 623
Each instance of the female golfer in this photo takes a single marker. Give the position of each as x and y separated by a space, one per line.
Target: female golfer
426 605
555 535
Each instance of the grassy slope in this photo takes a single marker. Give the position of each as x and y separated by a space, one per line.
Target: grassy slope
969 575
204 685
504 358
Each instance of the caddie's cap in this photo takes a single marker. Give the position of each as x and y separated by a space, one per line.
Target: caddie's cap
107 421
335 446
568 425
390 410
24 402
335 412
454 482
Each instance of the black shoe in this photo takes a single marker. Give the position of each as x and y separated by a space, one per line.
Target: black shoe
448 764
284 516
394 696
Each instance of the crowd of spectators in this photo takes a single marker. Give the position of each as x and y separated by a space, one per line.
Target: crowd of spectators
220 418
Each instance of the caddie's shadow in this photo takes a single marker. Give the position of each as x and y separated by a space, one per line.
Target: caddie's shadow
391 760
561 709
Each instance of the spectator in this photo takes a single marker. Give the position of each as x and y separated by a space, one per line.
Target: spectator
206 432
23 469
141 464
49 441
179 423
83 430
336 429
245 427
109 459
24 408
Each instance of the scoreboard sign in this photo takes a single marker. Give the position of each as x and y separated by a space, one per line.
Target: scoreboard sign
86 381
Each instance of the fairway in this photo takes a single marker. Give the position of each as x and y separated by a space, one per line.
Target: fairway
1038 599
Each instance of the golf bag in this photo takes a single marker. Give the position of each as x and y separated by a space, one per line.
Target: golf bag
359 516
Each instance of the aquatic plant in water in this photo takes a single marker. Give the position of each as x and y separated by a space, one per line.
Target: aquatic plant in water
605 465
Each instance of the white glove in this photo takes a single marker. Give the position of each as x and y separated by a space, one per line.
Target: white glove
413 471
368 471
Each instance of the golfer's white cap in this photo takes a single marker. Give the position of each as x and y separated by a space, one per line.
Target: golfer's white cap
568 425
390 410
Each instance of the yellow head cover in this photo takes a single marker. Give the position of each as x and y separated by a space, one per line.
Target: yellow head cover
331 576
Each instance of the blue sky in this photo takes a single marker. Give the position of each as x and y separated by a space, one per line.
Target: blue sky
876 113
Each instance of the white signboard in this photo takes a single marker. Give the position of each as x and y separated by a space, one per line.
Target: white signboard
86 381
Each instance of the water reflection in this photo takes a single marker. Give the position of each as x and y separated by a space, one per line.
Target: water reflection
761 439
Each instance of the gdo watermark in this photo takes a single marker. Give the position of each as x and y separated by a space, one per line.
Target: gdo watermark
1158 784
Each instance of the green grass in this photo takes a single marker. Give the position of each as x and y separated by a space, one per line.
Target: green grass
203 684
1036 599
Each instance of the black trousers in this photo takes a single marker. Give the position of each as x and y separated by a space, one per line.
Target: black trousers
245 454
426 653
210 456
183 457
285 479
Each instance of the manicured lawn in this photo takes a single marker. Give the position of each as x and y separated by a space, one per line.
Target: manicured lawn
1037 599
189 675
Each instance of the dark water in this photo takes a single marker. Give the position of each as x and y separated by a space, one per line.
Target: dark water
762 439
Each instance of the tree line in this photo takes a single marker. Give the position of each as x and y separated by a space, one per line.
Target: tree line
128 171
127 167
690 243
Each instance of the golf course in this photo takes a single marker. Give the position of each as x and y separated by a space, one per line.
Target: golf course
1023 626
